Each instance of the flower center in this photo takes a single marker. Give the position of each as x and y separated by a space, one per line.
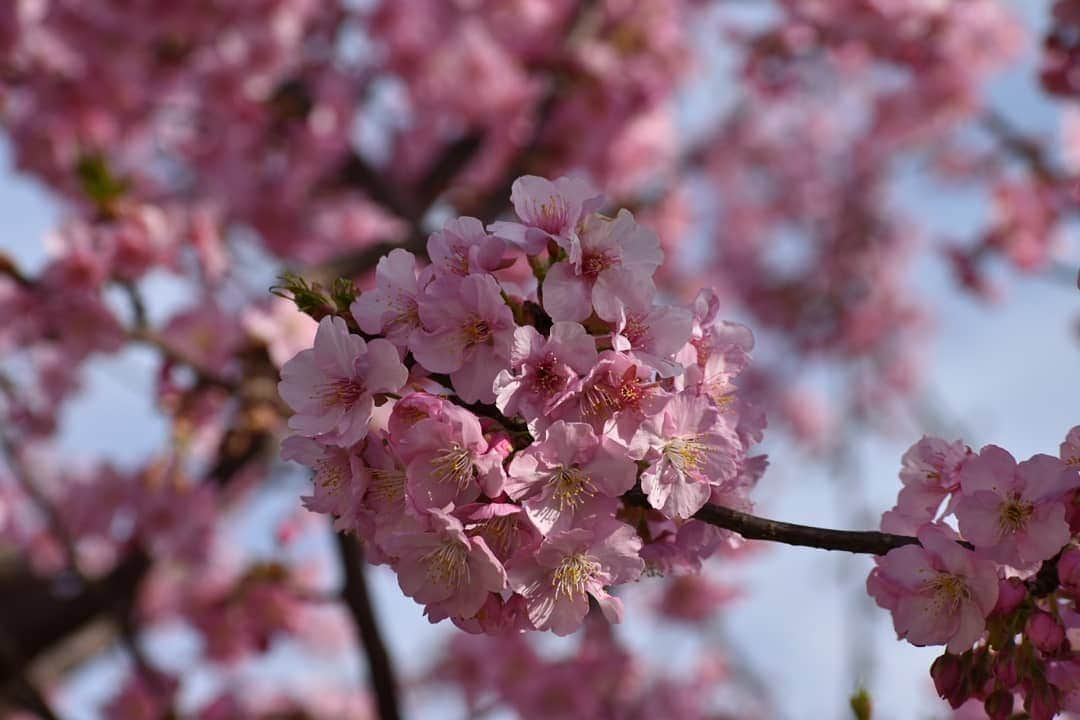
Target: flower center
551 215
454 464
573 574
448 564
570 488
477 331
686 454
546 379
329 474
1014 515
636 329
594 262
948 591
499 533
406 314
609 395
632 390
387 486
343 391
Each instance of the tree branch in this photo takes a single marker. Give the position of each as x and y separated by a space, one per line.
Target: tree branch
752 527
355 594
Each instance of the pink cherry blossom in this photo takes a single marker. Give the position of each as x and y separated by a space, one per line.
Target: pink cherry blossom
1014 513
331 386
467 332
569 566
569 474
618 394
448 459
650 333
339 480
548 211
462 247
1065 676
445 568
930 472
573 287
1070 448
390 308
690 448
939 593
542 368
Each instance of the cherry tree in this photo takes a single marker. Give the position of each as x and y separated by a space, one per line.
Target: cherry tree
541 273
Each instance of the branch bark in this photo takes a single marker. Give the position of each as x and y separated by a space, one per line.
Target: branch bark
752 527
356 596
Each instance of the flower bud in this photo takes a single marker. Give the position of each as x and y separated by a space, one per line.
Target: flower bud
1068 569
999 705
1045 631
1011 593
1005 670
948 675
1041 703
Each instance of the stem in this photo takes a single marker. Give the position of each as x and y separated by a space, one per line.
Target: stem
752 527
355 594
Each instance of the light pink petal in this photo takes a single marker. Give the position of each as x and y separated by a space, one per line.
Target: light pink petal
385 371
566 295
439 352
970 626
474 381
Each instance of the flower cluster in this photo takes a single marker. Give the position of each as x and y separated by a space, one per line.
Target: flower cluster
1000 591
479 426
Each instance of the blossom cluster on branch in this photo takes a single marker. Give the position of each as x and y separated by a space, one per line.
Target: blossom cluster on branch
477 420
999 590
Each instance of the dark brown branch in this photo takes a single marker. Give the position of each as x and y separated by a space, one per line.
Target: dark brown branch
355 594
752 527
866 542
35 615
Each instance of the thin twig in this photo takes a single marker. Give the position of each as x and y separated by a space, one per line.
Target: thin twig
356 596
752 527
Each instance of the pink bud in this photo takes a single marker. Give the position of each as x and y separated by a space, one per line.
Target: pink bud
999 705
1005 670
1068 569
948 675
1041 703
1045 631
1011 593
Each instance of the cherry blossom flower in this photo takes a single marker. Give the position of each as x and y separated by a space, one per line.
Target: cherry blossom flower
445 568
548 211
542 368
462 247
391 307
573 287
331 386
467 332
689 447
339 477
939 593
930 472
650 333
569 474
618 394
571 565
448 459
1014 513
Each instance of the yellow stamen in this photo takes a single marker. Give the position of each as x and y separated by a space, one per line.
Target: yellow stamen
686 454
448 564
573 574
454 464
570 488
